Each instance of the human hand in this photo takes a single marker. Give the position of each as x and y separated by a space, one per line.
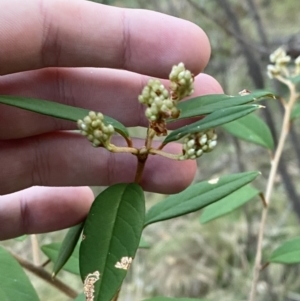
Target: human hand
43 44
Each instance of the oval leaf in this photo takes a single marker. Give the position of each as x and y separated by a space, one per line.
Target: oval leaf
287 253
228 204
15 284
207 104
211 121
3 296
172 299
198 196
57 110
111 235
67 249
253 129
52 251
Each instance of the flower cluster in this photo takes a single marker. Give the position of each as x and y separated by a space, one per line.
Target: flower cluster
161 105
280 61
156 97
194 145
182 82
93 127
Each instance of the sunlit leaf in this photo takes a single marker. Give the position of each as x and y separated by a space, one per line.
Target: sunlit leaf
111 235
253 129
198 196
212 120
15 284
287 253
57 110
207 104
52 252
226 205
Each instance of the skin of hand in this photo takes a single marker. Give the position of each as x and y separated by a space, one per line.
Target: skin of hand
92 56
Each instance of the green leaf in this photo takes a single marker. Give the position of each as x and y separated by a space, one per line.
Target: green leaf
80 297
112 231
3 296
173 299
295 112
66 250
213 120
53 250
198 196
253 129
15 284
207 104
20 239
226 205
287 253
57 110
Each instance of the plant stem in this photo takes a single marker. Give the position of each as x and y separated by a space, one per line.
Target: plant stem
142 155
35 249
163 154
270 184
41 273
122 149
139 170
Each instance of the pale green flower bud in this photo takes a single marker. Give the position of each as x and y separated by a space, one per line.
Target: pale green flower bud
93 128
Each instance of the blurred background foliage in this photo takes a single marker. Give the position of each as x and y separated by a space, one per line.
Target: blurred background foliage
214 261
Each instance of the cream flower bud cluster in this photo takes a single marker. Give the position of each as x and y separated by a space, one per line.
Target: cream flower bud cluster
280 59
93 127
194 145
156 97
182 82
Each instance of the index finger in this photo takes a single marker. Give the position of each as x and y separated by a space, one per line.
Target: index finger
78 33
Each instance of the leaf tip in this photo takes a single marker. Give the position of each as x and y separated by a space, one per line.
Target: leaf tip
213 181
261 107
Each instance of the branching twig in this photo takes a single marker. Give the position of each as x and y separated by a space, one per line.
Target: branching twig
270 184
41 273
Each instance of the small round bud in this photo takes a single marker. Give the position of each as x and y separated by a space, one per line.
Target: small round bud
191 151
97 133
199 152
92 115
203 139
100 116
191 143
212 144
111 129
83 127
87 120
